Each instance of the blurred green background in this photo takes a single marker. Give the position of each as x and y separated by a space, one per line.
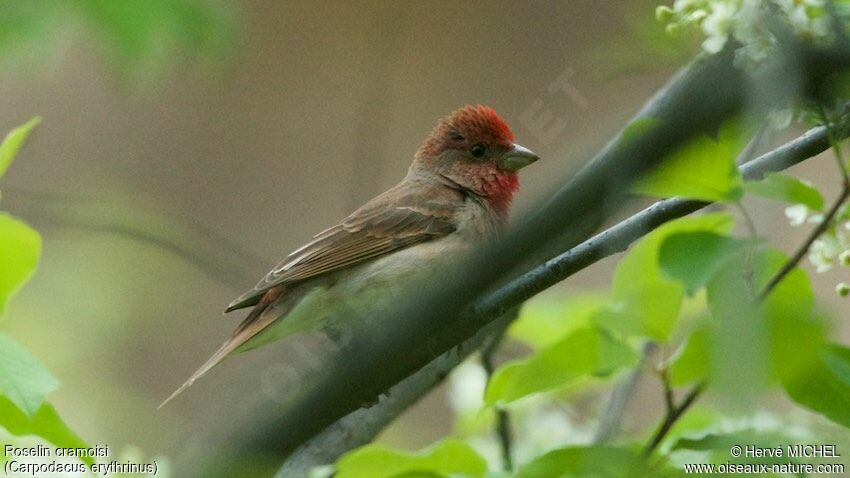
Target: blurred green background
238 130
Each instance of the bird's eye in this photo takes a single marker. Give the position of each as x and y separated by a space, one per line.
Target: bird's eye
478 150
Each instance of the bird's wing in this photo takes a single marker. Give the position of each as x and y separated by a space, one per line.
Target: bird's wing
392 221
399 218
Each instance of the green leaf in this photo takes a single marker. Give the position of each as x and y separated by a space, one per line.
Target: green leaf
589 351
738 357
596 461
13 142
147 35
788 189
542 322
446 458
755 342
825 385
704 169
24 380
45 423
690 364
796 335
646 302
694 257
20 247
792 296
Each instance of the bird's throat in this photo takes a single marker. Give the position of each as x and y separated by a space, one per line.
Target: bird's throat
499 190
493 185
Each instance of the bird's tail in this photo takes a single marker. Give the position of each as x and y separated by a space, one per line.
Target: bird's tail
216 358
261 317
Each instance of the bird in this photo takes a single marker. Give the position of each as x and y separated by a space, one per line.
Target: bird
456 196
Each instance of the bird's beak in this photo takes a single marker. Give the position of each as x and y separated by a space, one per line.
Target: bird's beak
517 158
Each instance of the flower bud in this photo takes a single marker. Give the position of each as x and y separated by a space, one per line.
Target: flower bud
664 13
842 289
844 258
673 29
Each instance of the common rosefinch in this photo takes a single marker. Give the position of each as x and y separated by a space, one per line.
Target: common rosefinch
456 195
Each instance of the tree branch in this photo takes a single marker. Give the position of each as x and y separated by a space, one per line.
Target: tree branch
198 245
336 440
363 425
835 134
612 414
697 101
619 237
674 412
807 244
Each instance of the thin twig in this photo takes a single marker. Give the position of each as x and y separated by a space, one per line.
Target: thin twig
745 156
752 146
609 421
826 222
503 418
675 411
673 414
835 138
748 220
804 248
612 415
669 399
196 243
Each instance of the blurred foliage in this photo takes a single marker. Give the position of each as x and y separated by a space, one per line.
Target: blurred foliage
590 461
641 31
45 423
139 38
446 458
20 247
24 380
541 323
589 351
13 142
757 27
695 257
696 289
704 169
781 187
645 302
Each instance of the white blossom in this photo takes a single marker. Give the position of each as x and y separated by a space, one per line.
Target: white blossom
825 250
745 21
717 26
815 219
796 214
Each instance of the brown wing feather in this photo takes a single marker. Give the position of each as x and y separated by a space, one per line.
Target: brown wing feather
392 221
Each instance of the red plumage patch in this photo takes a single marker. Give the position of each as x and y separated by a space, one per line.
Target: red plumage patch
500 191
465 127
480 124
